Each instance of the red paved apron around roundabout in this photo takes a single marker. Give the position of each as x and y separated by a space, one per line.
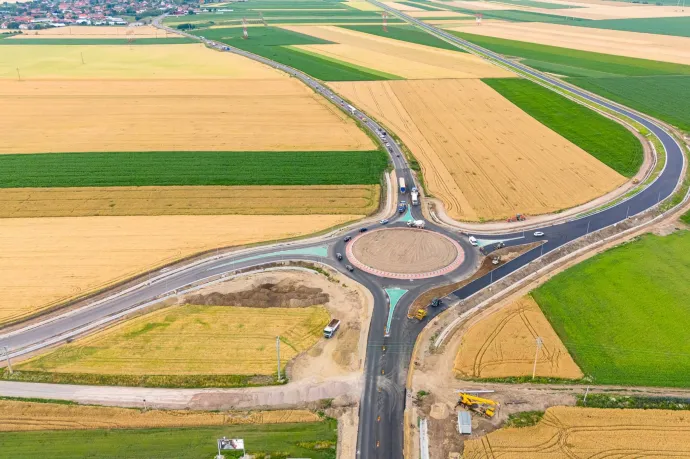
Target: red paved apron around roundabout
419 254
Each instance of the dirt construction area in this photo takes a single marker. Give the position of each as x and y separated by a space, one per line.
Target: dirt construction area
231 328
569 432
483 157
640 45
49 260
503 343
396 57
406 251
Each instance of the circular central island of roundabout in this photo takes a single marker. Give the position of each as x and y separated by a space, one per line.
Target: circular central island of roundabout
404 253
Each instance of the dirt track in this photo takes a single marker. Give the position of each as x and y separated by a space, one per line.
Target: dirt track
400 250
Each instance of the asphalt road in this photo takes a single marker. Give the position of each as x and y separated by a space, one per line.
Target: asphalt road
388 357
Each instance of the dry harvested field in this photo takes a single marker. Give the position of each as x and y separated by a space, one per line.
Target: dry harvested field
189 200
623 11
570 432
264 112
477 5
98 32
22 416
112 62
503 344
437 14
46 261
188 339
641 45
481 155
402 6
408 60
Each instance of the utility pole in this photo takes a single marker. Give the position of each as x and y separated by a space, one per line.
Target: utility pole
627 212
584 399
7 357
19 77
278 354
588 222
536 355
82 58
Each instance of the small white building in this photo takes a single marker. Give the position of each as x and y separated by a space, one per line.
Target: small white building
464 423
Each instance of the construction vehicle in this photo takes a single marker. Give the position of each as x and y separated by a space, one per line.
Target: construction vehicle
401 183
331 328
517 218
415 197
496 260
416 224
482 406
420 314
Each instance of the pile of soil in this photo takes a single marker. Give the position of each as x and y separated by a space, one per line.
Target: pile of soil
284 294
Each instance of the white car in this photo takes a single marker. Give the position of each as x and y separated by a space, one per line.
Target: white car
538 234
384 221
473 240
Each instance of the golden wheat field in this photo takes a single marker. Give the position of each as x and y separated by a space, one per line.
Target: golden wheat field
504 343
632 44
189 200
571 432
98 32
46 261
361 5
23 416
266 113
188 61
404 59
483 157
188 339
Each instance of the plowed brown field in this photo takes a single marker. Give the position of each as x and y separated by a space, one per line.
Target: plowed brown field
504 343
98 32
189 200
22 416
46 261
570 432
481 155
266 113
407 60
641 45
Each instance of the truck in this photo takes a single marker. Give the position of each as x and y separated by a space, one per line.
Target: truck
352 109
331 328
416 224
415 198
402 207
401 182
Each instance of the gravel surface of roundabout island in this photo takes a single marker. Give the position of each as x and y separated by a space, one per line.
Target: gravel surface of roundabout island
405 253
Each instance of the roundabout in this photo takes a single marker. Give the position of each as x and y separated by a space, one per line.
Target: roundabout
405 253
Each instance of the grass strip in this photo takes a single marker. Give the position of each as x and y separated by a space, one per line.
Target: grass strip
603 138
524 419
162 381
316 440
576 60
628 326
685 218
635 403
191 168
406 33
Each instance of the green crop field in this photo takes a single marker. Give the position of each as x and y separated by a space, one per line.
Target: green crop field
678 26
624 315
524 16
574 63
97 41
192 168
314 440
601 137
405 33
422 6
663 97
273 43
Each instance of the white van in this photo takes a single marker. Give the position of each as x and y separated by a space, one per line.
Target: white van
473 241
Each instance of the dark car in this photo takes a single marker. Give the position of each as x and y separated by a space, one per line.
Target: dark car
349 268
436 302
347 239
363 230
339 256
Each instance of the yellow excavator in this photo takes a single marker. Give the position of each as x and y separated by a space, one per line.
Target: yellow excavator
479 405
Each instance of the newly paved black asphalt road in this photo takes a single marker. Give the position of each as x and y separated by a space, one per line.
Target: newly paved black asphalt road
387 360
